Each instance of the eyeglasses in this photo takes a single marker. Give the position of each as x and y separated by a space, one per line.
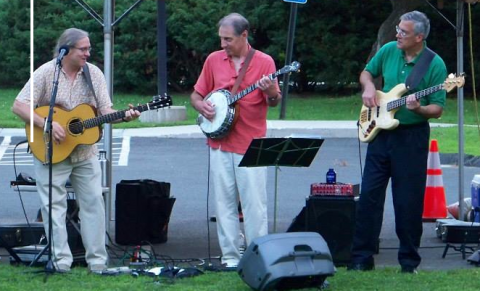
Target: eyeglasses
84 49
400 31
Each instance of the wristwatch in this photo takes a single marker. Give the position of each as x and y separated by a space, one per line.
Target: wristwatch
273 98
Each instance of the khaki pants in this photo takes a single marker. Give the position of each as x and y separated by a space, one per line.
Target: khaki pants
85 177
229 183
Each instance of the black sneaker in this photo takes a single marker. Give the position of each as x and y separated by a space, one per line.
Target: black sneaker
409 269
227 268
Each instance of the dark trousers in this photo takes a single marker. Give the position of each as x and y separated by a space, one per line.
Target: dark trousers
400 155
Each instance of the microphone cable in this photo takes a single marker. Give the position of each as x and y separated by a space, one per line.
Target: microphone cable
208 210
19 191
359 150
18 188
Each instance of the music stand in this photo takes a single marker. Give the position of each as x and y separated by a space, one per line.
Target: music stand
284 151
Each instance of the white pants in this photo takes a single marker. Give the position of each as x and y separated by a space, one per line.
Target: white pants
85 177
230 182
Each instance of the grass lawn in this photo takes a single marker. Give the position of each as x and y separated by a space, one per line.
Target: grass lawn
299 107
24 278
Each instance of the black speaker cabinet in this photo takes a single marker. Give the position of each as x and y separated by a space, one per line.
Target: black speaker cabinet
15 235
299 222
286 261
334 219
142 211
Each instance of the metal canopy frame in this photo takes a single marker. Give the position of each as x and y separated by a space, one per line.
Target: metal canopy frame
108 23
459 29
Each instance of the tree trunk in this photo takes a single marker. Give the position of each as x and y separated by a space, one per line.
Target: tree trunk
387 31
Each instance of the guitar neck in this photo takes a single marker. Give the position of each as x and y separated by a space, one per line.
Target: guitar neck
420 94
107 118
252 87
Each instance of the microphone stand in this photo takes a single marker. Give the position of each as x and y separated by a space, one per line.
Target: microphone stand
47 137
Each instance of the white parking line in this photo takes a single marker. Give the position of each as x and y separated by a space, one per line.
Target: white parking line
120 152
4 146
123 158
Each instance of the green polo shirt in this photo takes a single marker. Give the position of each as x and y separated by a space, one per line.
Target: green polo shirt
389 63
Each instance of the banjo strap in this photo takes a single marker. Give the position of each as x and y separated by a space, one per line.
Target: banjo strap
243 70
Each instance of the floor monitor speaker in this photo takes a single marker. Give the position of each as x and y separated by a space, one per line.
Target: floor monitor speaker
286 261
334 219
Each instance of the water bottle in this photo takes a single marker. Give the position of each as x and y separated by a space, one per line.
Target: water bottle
331 176
102 157
475 186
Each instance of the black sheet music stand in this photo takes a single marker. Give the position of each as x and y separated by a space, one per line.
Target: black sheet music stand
289 151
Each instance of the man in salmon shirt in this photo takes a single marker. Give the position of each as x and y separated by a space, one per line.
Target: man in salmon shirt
230 182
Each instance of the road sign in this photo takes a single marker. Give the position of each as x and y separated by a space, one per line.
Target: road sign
296 1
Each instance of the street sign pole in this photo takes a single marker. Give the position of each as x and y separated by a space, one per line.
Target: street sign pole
288 55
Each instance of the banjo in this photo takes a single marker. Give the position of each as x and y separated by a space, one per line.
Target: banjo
224 105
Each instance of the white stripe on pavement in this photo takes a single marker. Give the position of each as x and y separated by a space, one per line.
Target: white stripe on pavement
123 158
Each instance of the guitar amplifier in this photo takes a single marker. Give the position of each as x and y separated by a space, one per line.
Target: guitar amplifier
338 189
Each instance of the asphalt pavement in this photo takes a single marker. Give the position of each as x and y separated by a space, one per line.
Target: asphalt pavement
179 155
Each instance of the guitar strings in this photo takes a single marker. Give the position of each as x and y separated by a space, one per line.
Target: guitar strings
78 126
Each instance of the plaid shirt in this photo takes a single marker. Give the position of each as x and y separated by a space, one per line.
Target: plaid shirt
69 95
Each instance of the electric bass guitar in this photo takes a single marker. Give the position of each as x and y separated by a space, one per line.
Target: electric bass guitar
224 105
81 125
374 119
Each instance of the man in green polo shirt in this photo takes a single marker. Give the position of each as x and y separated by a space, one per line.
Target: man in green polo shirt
399 154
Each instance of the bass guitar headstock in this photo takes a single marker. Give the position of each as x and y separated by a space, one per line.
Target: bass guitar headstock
454 81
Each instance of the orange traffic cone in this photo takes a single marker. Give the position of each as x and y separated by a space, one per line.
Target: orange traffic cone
435 206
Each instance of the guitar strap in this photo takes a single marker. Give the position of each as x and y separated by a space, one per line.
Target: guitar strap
86 72
420 68
243 70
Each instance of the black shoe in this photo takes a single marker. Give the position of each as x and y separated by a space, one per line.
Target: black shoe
360 267
227 268
409 269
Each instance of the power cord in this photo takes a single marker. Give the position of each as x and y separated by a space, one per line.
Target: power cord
209 265
18 188
20 192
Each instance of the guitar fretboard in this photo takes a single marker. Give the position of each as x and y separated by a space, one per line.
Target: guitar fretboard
99 120
250 88
403 100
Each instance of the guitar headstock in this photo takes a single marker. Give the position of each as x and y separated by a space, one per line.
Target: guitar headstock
453 81
293 67
160 102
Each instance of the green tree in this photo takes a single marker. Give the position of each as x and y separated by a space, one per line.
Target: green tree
333 39
15 42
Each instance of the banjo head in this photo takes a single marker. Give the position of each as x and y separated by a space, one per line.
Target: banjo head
224 113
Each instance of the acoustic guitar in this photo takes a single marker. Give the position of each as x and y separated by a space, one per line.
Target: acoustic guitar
374 119
82 126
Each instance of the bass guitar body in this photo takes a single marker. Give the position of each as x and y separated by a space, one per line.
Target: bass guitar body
374 119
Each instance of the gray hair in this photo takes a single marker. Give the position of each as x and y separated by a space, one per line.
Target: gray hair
235 20
69 38
420 21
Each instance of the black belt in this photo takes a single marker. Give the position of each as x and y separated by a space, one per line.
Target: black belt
414 125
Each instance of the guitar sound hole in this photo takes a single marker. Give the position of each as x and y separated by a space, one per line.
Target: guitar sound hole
75 126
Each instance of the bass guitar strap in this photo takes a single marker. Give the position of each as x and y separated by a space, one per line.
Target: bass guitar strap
242 72
420 68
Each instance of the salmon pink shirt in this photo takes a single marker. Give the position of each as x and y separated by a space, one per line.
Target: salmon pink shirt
219 73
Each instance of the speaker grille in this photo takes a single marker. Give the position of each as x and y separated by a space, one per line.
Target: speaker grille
334 219
142 211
